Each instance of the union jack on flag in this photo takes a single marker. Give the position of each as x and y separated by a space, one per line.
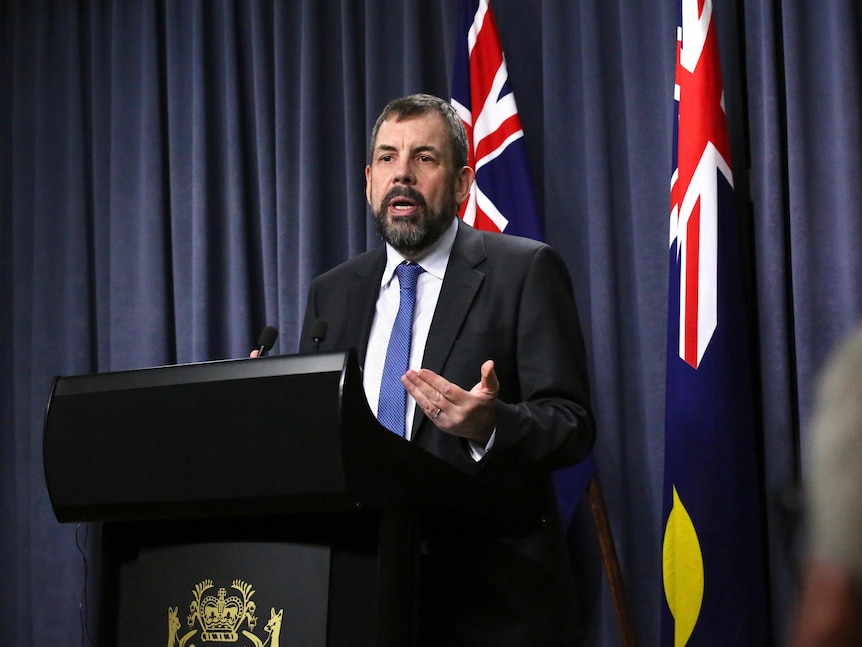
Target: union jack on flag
714 555
703 148
502 197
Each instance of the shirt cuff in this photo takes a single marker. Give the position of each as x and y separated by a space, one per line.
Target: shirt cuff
478 450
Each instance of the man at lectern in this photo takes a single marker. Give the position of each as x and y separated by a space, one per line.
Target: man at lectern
471 348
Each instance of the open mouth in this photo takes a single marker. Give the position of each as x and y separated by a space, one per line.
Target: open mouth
403 202
401 206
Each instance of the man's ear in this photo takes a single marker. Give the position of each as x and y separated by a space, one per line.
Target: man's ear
368 184
463 182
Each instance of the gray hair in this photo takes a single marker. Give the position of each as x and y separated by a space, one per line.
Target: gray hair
416 105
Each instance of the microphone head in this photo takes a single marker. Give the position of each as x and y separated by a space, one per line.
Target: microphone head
318 330
267 338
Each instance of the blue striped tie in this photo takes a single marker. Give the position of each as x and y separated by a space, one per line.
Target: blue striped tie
392 405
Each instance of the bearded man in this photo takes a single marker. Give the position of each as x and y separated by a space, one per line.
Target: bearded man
494 381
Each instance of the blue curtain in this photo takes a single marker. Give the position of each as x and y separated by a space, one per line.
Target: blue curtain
173 174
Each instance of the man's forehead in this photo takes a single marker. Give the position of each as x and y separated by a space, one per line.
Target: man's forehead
428 129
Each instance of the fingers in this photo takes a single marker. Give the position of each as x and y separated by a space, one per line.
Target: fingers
430 390
489 382
463 413
438 398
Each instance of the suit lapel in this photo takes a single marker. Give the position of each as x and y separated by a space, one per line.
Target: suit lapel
457 293
362 300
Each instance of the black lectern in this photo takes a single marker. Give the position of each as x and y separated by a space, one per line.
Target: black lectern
261 495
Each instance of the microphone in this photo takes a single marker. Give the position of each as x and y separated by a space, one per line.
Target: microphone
318 333
266 340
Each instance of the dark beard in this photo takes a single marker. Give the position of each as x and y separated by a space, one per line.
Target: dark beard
416 234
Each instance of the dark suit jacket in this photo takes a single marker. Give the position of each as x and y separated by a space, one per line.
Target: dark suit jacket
508 299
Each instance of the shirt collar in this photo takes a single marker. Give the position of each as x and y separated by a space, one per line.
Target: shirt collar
434 261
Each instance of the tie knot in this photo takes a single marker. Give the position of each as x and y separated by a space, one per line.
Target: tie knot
408 274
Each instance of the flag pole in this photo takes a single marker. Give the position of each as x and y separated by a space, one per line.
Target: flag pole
610 560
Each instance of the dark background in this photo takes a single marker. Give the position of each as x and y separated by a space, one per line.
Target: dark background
173 174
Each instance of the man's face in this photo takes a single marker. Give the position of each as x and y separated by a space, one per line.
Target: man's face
411 185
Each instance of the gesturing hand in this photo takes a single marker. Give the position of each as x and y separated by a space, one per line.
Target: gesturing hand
469 414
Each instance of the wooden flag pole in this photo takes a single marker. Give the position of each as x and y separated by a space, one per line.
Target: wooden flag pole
610 560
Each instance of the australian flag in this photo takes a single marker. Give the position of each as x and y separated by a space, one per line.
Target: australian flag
714 555
502 198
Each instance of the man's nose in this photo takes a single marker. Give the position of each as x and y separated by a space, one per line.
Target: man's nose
404 173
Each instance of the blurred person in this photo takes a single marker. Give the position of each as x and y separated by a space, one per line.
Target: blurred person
829 609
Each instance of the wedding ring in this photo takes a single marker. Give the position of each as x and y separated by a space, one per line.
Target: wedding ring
437 413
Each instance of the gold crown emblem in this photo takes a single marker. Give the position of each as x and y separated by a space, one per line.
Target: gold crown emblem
221 615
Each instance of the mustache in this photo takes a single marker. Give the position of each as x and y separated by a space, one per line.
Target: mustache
404 192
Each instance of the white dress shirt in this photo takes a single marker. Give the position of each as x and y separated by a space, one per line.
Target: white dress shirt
428 286
434 262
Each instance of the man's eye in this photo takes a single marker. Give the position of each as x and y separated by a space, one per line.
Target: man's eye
386 158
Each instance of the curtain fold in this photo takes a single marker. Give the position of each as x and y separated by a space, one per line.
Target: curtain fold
174 174
823 170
